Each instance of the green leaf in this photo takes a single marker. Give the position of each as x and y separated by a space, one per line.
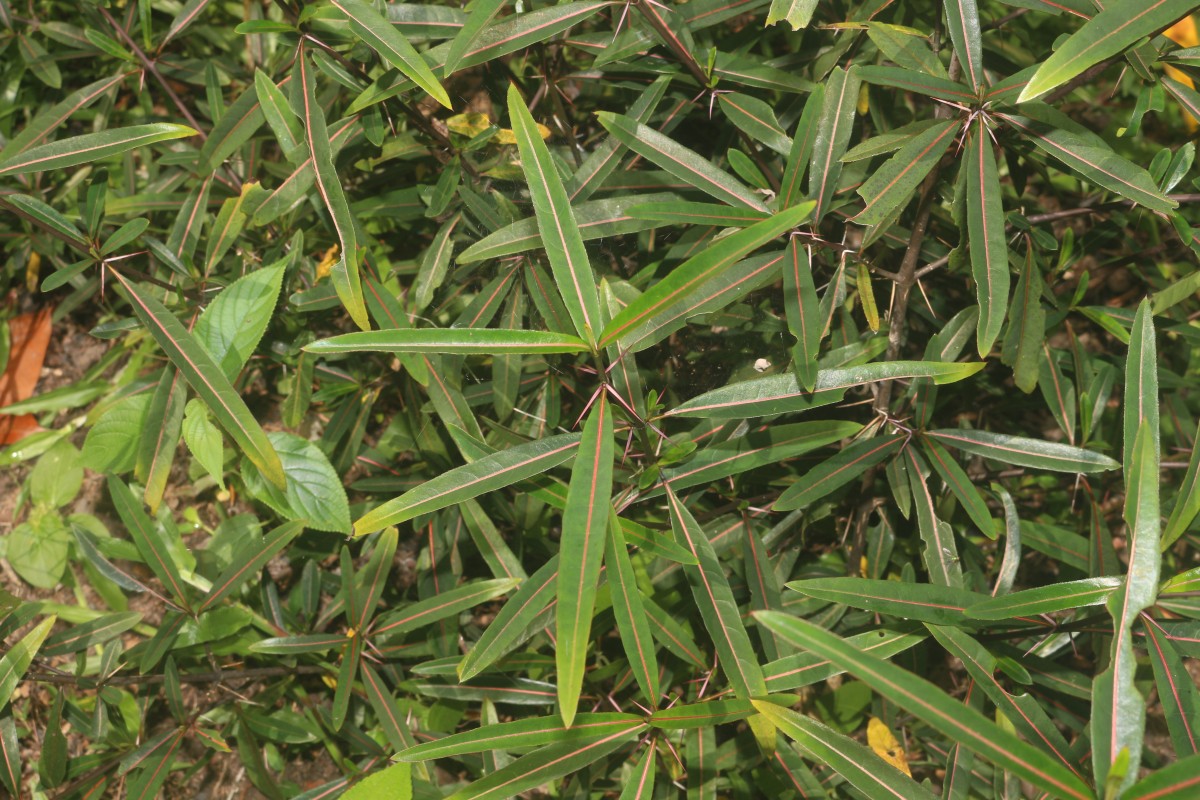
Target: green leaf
687 165
87 634
150 540
985 228
909 80
510 626
480 18
160 440
313 493
48 121
890 186
940 552
630 612
780 394
1024 452
463 341
920 602
1176 690
91 147
799 156
1064 596
393 782
250 560
832 137
38 548
798 13
805 669
681 212
18 658
930 704
1119 710
859 765
716 605
547 764
207 379
203 439
523 733
757 119
1094 163
391 45
46 217
277 112
961 486
1178 780
1187 501
852 461
701 715
1141 386
560 232
345 272
667 305
1120 25
756 449
585 524
803 313
487 474
440 606
962 18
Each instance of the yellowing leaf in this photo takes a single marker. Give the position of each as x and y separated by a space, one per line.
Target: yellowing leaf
469 125
1184 34
327 261
881 740
506 136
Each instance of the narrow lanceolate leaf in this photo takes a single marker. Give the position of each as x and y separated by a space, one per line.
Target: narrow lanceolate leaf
757 119
581 553
985 230
687 165
757 449
641 783
960 485
206 378
390 44
852 461
45 217
91 147
606 157
920 602
717 607
779 394
443 605
146 537
790 192
513 621
962 18
1141 384
666 306
45 123
560 232
597 219
832 137
1177 781
1176 690
1024 452
1121 24
481 16
805 669
1022 710
523 733
630 612
1099 165
345 272
85 635
858 765
494 471
249 561
461 341
1046 599
897 178
547 764
941 551
803 313
1187 502
930 704
1119 710
701 715
18 658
